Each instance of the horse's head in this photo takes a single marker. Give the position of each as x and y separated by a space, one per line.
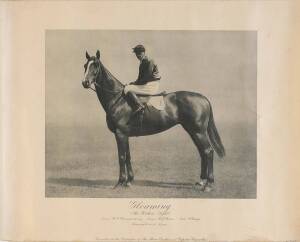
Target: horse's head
92 69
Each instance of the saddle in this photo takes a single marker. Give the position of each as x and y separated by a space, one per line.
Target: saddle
153 103
155 100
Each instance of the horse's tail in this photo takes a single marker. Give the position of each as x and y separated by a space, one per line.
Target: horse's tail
214 136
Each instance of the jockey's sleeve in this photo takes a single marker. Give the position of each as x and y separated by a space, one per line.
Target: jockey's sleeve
150 68
146 73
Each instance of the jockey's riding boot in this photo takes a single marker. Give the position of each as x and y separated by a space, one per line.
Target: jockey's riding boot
138 106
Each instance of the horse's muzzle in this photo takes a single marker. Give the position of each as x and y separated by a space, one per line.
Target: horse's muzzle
85 84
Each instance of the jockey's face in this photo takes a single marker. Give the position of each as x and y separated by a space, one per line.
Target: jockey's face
140 55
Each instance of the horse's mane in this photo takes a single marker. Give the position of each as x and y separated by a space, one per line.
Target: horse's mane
107 74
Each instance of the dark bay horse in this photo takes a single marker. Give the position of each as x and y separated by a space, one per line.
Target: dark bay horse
189 109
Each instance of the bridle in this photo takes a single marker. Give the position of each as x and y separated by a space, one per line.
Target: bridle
119 92
102 86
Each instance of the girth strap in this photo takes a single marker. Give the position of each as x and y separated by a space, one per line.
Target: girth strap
152 95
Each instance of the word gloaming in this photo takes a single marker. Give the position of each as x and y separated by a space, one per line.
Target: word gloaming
149 206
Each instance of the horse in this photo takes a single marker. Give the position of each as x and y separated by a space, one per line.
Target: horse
191 110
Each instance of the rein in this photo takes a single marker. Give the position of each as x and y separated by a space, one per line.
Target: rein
107 90
118 92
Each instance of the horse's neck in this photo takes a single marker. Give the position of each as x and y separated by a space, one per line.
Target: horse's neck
108 91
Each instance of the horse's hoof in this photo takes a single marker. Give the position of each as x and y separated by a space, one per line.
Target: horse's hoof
200 185
209 187
119 184
128 184
197 184
116 186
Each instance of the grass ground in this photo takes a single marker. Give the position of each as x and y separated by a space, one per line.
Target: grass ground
82 162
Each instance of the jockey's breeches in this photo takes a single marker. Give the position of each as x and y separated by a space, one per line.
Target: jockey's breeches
149 88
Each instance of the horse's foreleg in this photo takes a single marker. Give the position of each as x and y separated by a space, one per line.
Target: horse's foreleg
122 142
130 175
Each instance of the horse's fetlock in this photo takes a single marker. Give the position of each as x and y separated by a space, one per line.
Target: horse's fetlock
208 151
122 179
130 178
211 179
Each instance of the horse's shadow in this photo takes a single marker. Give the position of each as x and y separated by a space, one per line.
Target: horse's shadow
111 183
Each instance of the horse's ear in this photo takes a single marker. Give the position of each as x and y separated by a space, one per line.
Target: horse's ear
87 55
98 54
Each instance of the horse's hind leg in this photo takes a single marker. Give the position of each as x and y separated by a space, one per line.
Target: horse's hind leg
206 152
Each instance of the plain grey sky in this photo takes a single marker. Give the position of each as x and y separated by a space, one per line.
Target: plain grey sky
219 64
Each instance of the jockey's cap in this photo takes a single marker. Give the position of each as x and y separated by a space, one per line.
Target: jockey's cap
139 49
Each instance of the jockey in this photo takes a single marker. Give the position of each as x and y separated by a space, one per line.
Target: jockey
147 81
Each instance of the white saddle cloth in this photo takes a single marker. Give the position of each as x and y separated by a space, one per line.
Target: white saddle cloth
157 102
149 88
